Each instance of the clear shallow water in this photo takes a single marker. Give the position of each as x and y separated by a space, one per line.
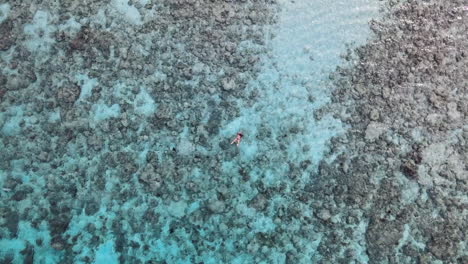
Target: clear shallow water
302 49
306 46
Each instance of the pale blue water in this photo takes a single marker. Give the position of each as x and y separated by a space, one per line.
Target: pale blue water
303 48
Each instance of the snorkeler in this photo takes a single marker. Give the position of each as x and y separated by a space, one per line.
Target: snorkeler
237 139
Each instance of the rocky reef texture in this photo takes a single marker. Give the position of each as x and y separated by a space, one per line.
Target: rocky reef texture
403 175
107 108
113 143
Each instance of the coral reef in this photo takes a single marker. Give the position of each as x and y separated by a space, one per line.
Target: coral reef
116 118
404 169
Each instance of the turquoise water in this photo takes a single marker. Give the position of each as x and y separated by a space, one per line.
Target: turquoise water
123 196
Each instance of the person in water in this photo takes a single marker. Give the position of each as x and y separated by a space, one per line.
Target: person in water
238 138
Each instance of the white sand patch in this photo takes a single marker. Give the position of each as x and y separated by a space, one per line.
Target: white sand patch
263 224
102 111
106 253
87 84
185 147
177 209
144 104
4 11
129 13
54 116
12 119
374 130
435 154
70 26
100 18
40 32
410 192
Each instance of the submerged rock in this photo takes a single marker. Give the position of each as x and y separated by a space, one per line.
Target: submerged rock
228 84
410 169
259 202
12 220
58 225
216 206
7 259
7 37
58 243
382 237
68 94
28 254
150 177
324 215
16 82
91 207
